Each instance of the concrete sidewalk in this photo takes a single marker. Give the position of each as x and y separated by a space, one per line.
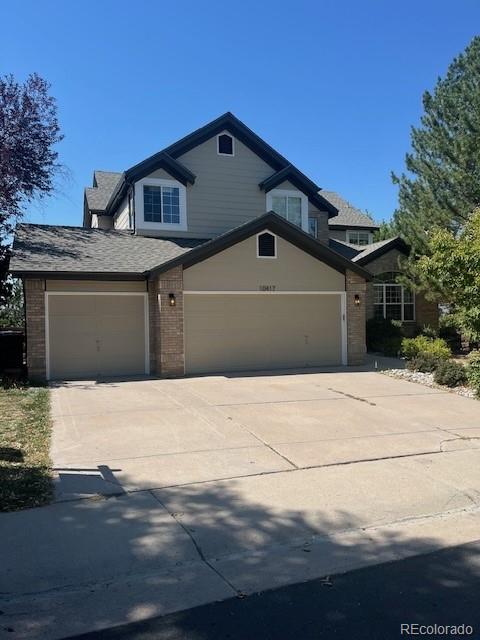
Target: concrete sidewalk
91 564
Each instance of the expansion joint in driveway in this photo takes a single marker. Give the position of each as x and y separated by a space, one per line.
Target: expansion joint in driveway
198 549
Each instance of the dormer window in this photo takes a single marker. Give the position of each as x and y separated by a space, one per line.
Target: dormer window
225 145
160 204
292 205
266 245
361 238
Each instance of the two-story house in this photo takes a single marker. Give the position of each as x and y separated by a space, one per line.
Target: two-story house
215 254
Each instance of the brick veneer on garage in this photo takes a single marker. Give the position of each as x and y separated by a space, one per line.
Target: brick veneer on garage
166 324
355 285
35 325
426 312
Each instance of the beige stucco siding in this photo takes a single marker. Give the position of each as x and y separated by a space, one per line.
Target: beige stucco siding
246 332
95 285
239 269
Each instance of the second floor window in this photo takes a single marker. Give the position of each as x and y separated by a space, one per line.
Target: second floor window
161 204
289 207
313 227
361 238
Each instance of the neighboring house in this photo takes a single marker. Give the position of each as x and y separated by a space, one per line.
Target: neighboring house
215 254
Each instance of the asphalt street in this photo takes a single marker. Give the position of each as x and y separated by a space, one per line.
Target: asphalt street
440 588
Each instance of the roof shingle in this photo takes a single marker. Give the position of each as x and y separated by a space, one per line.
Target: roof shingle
98 197
348 215
49 248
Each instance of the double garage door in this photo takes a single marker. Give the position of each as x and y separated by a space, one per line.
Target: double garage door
92 335
235 332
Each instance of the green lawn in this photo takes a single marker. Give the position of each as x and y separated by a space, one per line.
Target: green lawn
25 467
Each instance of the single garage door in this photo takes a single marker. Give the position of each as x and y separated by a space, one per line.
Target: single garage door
95 335
252 331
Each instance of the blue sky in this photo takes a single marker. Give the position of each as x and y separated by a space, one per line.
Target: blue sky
332 85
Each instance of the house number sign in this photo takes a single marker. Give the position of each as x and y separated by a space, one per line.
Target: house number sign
267 287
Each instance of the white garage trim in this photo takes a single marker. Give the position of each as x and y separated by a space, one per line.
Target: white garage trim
343 306
97 293
268 293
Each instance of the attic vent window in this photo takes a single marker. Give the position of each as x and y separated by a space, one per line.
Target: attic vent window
266 245
224 145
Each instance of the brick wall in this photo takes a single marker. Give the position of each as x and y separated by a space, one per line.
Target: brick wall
167 324
356 345
425 312
35 325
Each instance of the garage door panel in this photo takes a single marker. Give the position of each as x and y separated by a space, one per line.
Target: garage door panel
240 332
92 335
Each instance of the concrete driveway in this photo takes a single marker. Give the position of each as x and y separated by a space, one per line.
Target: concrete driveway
148 434
174 493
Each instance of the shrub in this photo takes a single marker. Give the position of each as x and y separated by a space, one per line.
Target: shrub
473 371
384 336
429 331
392 346
449 330
424 362
414 347
450 373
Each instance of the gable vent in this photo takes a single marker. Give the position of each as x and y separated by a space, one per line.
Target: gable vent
267 245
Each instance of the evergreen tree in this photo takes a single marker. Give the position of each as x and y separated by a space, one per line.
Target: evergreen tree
385 231
442 185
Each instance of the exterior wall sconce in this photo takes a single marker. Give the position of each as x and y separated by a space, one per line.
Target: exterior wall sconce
356 300
171 299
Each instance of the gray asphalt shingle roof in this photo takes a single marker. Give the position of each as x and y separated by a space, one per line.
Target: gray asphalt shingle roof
98 197
348 215
48 248
343 248
371 248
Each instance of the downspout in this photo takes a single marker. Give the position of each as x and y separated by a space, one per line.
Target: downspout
131 205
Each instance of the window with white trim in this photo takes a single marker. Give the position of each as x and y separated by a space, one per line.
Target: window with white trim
361 238
392 300
292 205
313 227
161 204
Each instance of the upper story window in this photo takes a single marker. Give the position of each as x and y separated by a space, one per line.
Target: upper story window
392 300
225 145
313 227
266 245
361 238
160 204
292 205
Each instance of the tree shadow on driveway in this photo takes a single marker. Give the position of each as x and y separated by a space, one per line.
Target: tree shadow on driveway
91 564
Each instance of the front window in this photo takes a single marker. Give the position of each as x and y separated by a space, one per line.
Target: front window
161 204
313 227
392 300
360 238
